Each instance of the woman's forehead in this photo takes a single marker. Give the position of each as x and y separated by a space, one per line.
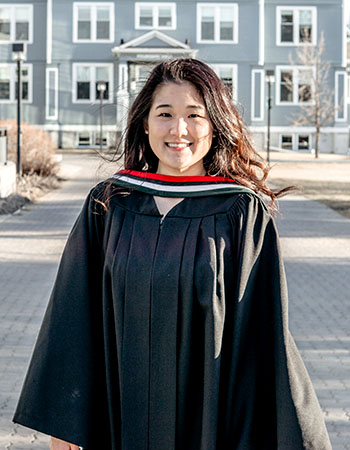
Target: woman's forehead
171 91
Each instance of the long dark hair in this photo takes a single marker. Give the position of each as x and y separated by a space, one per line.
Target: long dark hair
232 153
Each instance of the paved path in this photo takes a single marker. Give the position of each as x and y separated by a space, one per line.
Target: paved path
315 244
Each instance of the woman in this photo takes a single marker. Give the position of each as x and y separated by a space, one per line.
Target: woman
167 326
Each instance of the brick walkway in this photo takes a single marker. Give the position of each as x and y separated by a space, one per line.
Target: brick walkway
316 246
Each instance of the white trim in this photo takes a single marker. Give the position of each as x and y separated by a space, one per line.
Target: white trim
295 70
155 16
93 80
337 74
217 7
233 67
262 95
13 7
47 91
93 8
49 32
295 10
261 60
345 19
122 77
168 188
13 80
151 35
300 130
295 140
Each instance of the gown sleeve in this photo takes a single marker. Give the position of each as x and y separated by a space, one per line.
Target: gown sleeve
283 394
64 393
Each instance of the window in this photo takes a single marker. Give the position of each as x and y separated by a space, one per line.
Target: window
294 85
85 79
156 16
296 25
217 23
303 142
8 83
228 74
91 139
295 142
287 142
16 23
93 22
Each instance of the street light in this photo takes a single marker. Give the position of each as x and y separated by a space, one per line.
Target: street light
270 78
101 87
18 56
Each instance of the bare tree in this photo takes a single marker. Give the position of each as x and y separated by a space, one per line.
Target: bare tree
316 98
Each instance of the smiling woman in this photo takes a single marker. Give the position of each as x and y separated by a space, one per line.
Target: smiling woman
167 328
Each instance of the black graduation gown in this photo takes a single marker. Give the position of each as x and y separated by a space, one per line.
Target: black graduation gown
173 334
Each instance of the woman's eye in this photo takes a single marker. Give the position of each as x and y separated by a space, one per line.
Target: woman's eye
194 115
164 115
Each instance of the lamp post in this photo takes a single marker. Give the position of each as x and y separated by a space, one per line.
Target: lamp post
270 78
101 87
18 56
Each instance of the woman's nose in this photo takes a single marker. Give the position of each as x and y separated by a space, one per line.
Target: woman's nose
179 127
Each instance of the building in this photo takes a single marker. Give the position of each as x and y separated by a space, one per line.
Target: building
71 46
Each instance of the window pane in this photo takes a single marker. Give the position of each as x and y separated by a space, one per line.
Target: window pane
83 91
164 17
83 83
225 73
22 23
84 23
84 139
304 85
83 73
102 26
287 27
22 31
305 26
102 30
5 83
207 25
102 74
303 143
286 93
5 26
287 142
146 16
226 24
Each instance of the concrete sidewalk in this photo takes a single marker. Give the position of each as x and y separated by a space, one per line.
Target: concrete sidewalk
316 247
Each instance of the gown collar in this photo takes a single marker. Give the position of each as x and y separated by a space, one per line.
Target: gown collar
172 186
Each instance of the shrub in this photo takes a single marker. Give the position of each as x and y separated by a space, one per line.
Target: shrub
37 150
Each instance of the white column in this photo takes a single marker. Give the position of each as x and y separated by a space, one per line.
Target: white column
122 97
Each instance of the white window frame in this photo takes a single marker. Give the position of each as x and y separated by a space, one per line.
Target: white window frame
93 6
262 95
155 16
13 7
296 10
93 80
233 67
295 140
217 7
13 80
338 74
295 70
92 136
47 103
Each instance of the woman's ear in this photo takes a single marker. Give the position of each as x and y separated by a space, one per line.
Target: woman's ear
146 131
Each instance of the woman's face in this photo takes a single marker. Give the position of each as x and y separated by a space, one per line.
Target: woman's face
180 131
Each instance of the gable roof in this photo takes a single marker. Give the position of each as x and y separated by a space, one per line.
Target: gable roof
154 42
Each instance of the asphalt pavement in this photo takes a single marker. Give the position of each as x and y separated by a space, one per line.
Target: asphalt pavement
316 248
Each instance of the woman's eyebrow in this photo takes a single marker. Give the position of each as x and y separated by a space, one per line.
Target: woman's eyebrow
166 105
